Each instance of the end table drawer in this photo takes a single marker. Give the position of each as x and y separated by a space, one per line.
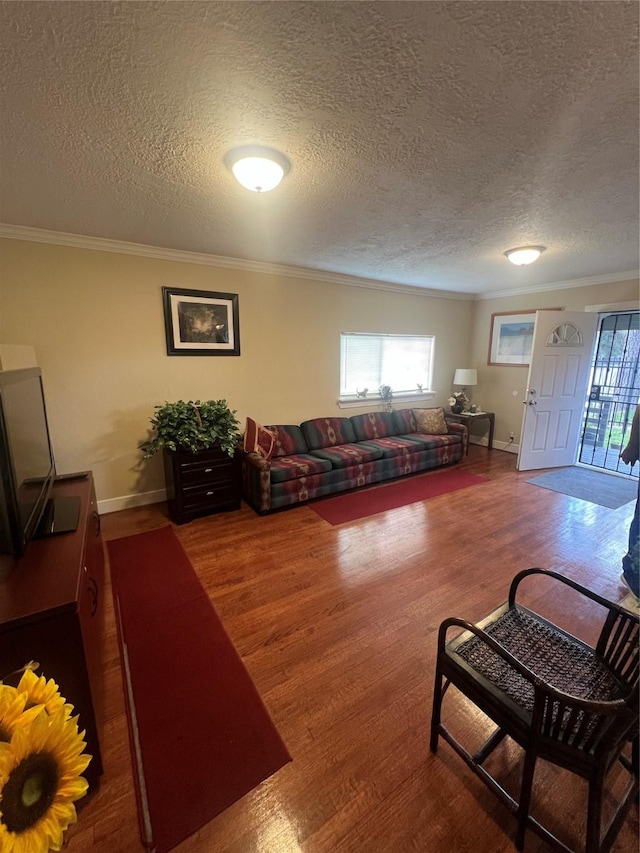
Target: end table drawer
201 483
215 494
206 472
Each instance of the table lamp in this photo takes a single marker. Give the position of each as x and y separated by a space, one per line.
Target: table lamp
465 376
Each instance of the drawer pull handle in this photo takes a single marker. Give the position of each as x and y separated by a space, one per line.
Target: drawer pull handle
208 470
92 591
209 493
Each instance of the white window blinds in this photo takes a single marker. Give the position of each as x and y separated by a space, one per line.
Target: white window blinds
402 361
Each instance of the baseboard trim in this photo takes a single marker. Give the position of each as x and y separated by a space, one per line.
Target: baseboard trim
130 501
146 498
508 446
483 441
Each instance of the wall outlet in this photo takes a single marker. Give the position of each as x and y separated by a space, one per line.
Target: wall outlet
511 436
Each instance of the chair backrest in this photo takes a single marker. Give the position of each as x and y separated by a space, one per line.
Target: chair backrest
604 723
618 645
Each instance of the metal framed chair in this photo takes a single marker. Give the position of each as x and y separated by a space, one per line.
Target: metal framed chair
561 700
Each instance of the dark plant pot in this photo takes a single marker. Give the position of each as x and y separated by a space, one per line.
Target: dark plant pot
458 409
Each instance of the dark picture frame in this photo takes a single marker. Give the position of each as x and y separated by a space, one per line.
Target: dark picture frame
201 322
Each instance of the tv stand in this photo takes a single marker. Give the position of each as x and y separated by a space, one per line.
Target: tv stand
51 612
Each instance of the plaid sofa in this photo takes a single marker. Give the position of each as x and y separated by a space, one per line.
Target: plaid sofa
328 455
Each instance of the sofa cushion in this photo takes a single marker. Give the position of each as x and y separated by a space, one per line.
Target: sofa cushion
327 432
429 442
345 455
284 468
395 445
430 421
288 440
258 439
373 425
404 421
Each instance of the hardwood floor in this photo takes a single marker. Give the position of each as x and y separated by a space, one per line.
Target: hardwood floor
337 626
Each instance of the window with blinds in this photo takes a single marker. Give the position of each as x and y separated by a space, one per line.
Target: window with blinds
403 362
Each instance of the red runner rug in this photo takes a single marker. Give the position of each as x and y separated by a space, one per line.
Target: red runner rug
376 499
200 735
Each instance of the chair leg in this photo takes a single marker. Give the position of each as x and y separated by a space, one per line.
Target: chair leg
435 712
526 787
594 813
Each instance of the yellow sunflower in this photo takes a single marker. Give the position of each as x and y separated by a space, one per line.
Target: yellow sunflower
39 782
12 711
42 692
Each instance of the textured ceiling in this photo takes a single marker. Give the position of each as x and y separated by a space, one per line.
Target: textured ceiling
425 138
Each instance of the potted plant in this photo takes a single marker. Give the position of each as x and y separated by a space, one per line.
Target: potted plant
201 466
386 397
193 426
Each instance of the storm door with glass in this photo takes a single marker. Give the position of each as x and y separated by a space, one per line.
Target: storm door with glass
614 393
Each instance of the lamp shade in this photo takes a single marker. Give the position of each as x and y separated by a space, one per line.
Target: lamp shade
465 376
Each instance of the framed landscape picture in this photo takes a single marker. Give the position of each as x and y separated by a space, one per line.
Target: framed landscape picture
511 338
200 322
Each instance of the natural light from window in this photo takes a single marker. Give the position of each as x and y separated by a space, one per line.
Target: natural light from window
405 362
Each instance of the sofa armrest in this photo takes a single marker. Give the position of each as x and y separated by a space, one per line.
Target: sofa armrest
256 481
256 460
459 429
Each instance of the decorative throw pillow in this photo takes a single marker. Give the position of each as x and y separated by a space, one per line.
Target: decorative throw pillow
257 439
431 421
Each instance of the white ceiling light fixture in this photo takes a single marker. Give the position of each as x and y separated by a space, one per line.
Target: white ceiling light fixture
257 167
525 254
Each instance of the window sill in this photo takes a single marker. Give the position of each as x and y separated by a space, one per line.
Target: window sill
376 402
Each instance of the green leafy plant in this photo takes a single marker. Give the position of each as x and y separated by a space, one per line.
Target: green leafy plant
193 426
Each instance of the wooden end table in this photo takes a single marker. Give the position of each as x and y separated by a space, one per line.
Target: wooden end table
468 418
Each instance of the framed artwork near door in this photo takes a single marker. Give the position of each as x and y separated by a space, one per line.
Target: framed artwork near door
511 337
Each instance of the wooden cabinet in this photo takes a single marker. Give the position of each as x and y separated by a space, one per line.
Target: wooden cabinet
201 483
51 612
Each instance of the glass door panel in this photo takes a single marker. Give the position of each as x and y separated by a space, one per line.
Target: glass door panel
615 393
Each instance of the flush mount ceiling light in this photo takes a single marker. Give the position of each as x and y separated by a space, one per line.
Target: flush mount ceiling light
256 167
525 254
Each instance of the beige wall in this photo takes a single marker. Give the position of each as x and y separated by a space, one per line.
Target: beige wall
497 384
96 322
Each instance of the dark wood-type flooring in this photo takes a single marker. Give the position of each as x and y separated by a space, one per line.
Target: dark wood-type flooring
337 626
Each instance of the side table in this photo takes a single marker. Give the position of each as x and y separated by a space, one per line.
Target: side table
468 418
201 483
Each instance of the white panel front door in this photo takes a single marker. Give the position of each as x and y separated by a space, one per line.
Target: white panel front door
556 388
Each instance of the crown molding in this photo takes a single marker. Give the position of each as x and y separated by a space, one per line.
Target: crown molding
101 244
563 285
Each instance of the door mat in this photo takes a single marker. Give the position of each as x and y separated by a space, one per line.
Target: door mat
370 501
593 486
200 735
630 602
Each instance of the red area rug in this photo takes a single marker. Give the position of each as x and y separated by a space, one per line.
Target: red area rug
200 735
376 499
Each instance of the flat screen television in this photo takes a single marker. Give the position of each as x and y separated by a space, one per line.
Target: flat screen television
27 468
